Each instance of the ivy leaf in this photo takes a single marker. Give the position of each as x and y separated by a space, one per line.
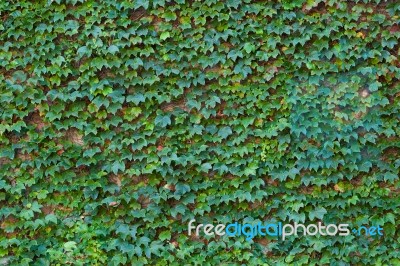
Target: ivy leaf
127 248
225 132
233 3
70 246
251 169
317 213
390 217
141 3
136 99
205 167
162 120
19 76
90 152
389 176
118 165
51 218
113 49
165 235
125 231
180 208
249 47
374 86
156 247
169 16
82 50
164 35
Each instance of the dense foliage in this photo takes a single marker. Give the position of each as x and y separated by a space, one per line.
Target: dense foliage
122 120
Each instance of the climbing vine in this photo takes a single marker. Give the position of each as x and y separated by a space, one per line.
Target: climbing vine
120 121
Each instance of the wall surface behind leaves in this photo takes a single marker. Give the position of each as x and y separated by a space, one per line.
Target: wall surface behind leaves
120 121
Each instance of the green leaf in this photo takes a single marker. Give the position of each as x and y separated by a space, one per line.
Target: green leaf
165 235
137 98
51 218
391 177
249 47
90 152
141 3
205 167
162 120
82 50
169 16
113 49
317 213
164 35
225 132
118 166
70 246
19 76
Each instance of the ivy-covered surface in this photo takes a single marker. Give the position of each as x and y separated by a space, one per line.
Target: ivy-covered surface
123 120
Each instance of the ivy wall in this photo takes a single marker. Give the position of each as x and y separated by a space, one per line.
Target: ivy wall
120 121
